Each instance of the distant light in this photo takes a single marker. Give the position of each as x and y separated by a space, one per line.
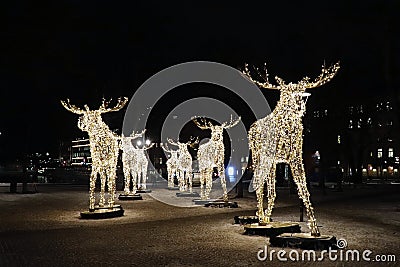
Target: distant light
139 143
148 142
305 94
231 171
47 153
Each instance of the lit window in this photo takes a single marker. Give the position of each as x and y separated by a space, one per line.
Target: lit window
160 160
359 123
390 152
326 112
338 139
361 109
380 152
369 121
351 110
316 114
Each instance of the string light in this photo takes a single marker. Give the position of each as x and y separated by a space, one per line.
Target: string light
278 138
211 154
172 164
142 163
184 164
129 161
104 148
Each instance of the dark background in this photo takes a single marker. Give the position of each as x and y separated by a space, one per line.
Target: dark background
86 50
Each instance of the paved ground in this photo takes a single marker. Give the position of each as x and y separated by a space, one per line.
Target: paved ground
44 229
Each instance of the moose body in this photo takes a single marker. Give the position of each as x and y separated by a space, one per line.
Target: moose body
129 162
277 138
210 155
104 148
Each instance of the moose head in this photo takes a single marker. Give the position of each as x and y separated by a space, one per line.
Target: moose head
216 130
91 119
292 93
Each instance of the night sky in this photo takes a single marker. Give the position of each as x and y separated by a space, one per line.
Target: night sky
86 50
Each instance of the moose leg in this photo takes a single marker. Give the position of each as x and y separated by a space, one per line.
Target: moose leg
170 178
221 172
133 182
271 191
190 180
300 180
258 182
111 187
202 182
103 177
208 180
127 176
92 185
144 177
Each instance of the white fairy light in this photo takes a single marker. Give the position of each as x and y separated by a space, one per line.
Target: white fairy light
279 138
184 164
129 161
104 148
141 165
172 164
211 154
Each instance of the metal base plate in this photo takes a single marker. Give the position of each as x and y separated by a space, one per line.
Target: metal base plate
187 194
304 241
203 201
103 213
130 197
245 219
173 188
272 229
143 191
222 204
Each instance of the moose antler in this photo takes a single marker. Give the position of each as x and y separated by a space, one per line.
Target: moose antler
172 142
204 123
193 141
326 75
166 148
231 123
120 104
72 108
266 84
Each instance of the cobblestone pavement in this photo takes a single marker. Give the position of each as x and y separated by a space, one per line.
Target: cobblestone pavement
44 229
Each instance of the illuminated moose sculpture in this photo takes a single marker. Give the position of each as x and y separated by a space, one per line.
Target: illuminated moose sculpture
211 154
184 167
129 161
142 163
104 148
277 138
172 164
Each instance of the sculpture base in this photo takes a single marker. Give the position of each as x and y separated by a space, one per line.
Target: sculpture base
245 219
187 194
130 197
222 204
203 201
304 241
103 212
271 229
143 191
173 188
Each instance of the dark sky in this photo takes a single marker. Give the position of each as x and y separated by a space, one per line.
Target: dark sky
86 50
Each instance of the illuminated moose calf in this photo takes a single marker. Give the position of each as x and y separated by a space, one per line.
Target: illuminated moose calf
141 165
172 164
184 167
104 148
211 154
278 138
129 161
